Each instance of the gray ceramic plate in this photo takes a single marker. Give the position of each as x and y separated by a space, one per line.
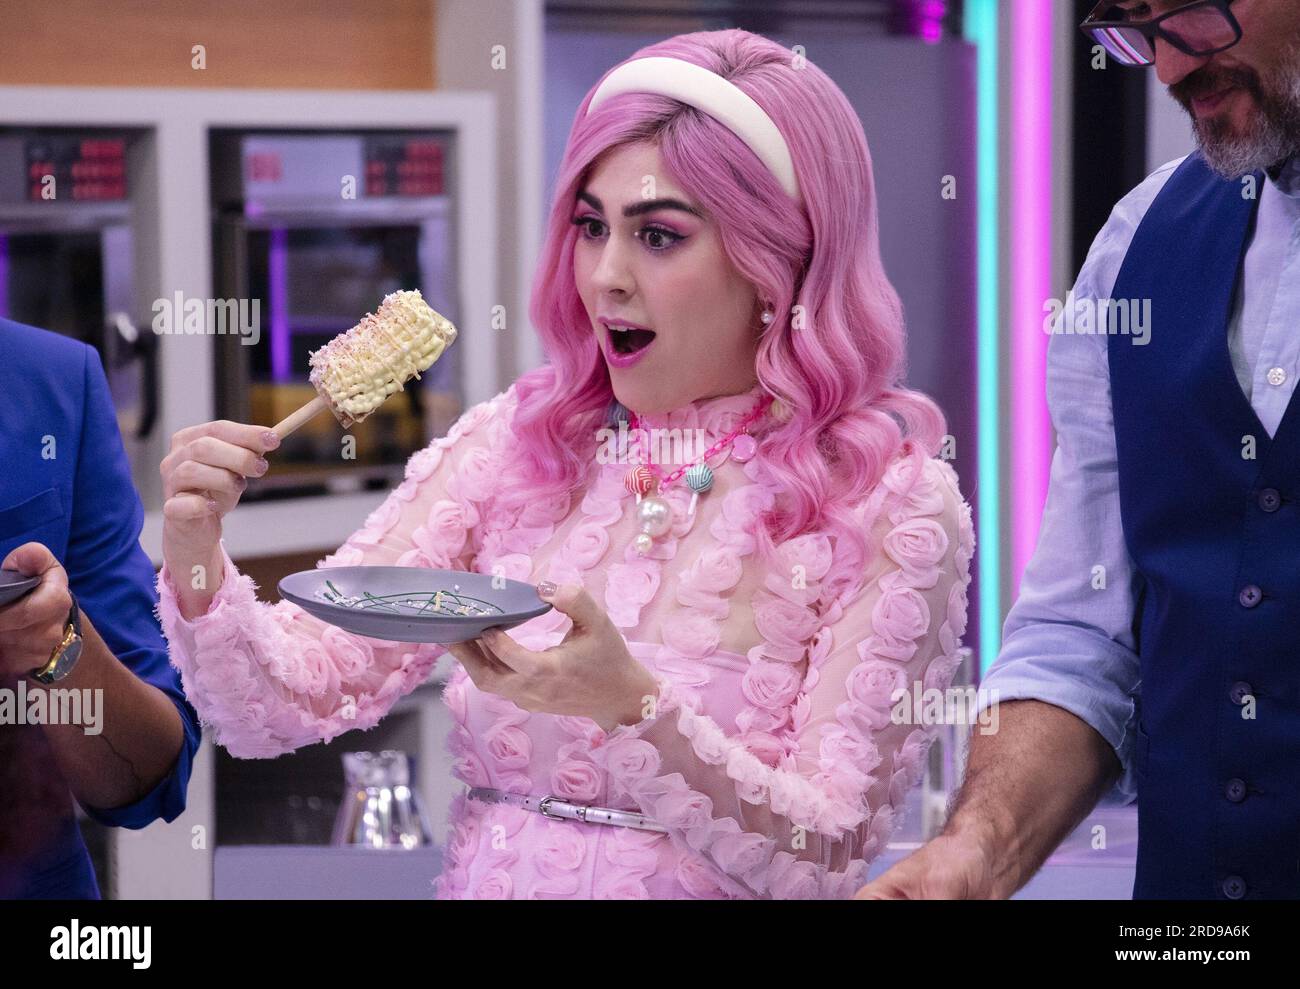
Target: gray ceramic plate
14 585
403 604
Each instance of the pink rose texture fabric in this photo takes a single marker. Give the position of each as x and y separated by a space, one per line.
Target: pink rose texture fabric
771 755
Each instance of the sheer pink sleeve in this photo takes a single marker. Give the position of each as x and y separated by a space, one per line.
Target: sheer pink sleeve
271 678
804 821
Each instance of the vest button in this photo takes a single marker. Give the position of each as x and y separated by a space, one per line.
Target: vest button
1250 596
1235 790
1270 500
1239 691
1234 887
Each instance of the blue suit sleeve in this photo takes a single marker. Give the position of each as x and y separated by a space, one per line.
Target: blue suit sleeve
113 580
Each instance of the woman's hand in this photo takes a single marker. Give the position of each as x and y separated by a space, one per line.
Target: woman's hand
203 478
205 474
590 674
31 628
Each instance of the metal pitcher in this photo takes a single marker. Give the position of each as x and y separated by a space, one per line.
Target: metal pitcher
945 766
380 809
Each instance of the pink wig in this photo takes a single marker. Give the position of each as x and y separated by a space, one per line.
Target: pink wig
835 351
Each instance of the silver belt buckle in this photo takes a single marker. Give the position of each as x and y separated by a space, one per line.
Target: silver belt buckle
545 801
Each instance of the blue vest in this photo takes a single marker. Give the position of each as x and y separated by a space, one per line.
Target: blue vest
1213 528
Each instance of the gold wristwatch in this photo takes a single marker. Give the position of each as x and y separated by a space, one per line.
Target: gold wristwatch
66 653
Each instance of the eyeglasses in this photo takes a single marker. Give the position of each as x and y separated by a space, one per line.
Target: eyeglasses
1203 27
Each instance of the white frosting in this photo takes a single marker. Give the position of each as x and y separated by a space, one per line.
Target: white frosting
357 370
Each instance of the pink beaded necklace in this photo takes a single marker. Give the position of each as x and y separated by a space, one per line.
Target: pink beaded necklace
654 513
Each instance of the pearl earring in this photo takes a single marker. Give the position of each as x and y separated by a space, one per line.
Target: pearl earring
767 316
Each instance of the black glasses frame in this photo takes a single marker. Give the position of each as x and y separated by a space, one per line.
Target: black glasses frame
1151 29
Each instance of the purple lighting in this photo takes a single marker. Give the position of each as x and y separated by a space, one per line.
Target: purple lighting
4 276
918 19
1031 269
278 289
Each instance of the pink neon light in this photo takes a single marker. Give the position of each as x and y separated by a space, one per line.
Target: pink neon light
1032 41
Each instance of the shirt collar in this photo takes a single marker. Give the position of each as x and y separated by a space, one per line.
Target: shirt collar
1287 176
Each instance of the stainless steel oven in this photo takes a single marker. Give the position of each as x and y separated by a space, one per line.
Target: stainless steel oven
311 231
68 257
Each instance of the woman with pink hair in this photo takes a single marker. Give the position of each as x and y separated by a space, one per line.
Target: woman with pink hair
717 480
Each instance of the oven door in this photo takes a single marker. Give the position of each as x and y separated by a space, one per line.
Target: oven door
307 276
71 271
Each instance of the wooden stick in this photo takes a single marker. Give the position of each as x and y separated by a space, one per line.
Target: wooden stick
300 418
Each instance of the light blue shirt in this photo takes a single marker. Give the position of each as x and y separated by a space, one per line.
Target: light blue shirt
1068 639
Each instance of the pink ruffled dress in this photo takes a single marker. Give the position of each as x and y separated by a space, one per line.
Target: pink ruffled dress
772 757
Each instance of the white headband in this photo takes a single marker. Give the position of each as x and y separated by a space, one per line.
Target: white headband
723 100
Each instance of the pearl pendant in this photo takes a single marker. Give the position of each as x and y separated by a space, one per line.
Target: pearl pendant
655 515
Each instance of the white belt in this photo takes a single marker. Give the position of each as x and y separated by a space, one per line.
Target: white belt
561 810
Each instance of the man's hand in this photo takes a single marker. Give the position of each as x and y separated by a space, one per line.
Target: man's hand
31 628
1027 786
950 867
140 733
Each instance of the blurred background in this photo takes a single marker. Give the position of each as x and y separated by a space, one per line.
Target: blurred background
310 156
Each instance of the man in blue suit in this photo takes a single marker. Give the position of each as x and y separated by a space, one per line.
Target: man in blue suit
70 515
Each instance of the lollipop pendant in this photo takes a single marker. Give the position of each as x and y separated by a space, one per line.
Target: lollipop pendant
700 478
639 481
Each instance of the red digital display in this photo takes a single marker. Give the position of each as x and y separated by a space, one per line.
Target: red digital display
265 166
399 166
78 169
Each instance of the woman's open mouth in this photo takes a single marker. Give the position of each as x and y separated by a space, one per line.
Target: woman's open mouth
625 344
